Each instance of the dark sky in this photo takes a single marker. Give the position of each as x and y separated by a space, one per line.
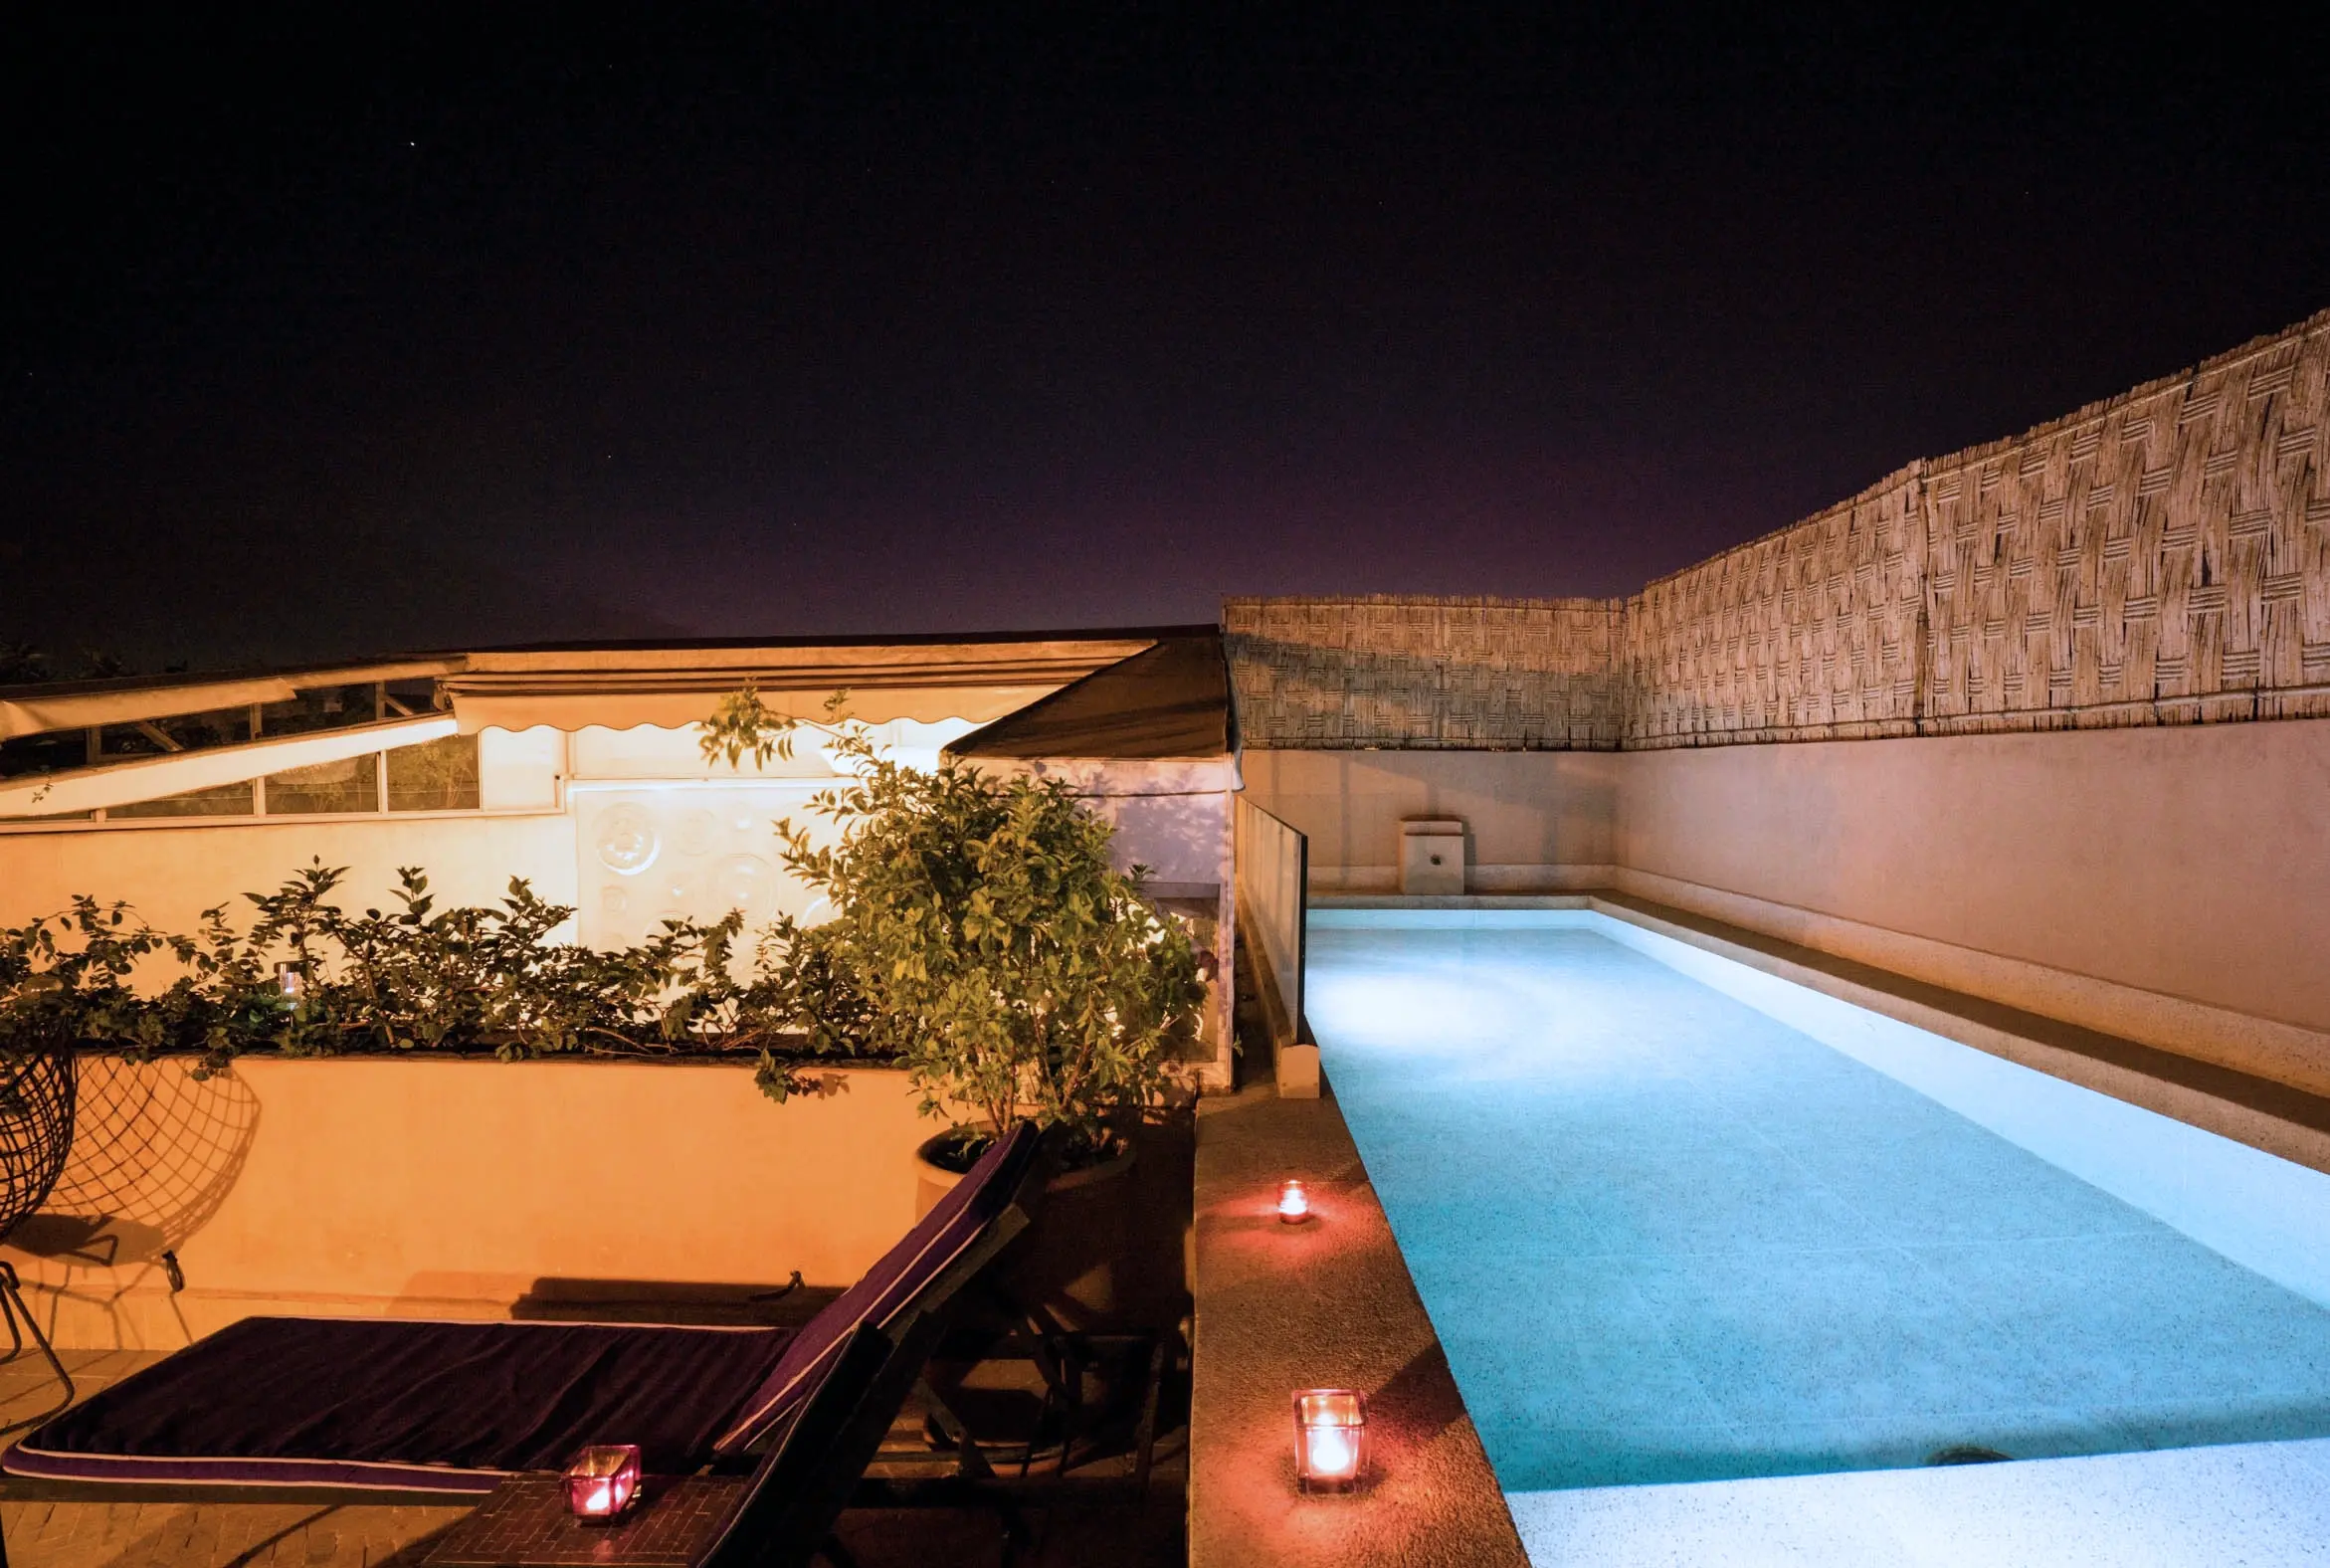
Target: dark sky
496 325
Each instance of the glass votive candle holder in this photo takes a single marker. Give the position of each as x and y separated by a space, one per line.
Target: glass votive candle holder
602 1481
1330 1439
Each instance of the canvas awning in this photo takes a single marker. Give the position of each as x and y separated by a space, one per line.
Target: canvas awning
674 687
149 778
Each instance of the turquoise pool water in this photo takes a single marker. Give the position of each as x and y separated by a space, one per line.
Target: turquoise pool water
1665 1237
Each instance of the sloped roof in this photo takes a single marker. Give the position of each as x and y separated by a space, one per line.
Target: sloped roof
1171 699
31 710
620 684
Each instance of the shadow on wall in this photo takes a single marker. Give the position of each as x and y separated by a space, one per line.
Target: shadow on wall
155 1151
559 1299
1178 836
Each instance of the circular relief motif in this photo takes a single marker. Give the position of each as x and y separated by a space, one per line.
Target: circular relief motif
614 900
746 882
696 832
627 840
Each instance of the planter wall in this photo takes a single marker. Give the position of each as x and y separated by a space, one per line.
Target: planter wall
452 1189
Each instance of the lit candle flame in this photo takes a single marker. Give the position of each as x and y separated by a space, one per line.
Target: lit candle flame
1330 1439
602 1480
1333 1456
1293 1202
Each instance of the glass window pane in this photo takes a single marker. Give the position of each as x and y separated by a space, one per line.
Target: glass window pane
226 800
408 697
320 707
54 751
349 785
438 775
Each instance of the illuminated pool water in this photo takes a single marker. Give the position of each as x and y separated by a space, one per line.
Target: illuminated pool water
1668 1236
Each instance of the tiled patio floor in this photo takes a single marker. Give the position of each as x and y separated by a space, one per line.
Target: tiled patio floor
132 1536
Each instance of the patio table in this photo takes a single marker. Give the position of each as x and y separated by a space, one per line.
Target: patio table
523 1523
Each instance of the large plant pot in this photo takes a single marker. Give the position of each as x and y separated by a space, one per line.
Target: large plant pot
1074 1263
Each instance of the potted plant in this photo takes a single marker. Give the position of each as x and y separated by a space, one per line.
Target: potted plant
984 938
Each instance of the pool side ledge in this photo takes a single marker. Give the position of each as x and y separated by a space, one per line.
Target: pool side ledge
1326 1303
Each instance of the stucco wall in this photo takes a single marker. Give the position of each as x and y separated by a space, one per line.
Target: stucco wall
2170 883
459 1188
1536 820
174 872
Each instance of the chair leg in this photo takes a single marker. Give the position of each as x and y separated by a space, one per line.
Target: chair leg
1145 1434
1016 1533
1034 1437
1072 1417
968 1460
13 1308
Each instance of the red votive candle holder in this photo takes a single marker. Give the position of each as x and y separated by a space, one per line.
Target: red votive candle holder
1293 1201
1330 1439
602 1481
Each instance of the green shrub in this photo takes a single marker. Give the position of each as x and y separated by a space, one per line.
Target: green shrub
416 977
984 938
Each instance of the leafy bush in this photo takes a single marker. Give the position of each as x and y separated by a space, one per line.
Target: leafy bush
985 941
416 977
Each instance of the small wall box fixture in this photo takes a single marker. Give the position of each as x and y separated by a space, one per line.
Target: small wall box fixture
1330 1439
1432 856
602 1483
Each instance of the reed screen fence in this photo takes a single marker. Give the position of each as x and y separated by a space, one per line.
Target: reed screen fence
2161 557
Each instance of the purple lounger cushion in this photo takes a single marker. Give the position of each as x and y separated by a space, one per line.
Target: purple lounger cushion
432 1406
455 1407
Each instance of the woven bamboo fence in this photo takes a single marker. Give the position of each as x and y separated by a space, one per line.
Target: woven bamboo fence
1490 675
2162 557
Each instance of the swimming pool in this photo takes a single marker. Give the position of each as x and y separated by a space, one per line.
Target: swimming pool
1702 1226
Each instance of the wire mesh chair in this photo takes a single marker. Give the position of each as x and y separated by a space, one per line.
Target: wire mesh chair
36 1133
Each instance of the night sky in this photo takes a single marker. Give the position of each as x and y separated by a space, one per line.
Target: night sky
501 324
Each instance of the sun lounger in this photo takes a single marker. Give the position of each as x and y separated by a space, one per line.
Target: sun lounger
337 1408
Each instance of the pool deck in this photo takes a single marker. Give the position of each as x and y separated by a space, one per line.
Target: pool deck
1328 1303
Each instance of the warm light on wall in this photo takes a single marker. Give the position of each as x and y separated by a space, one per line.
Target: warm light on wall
1330 1439
602 1481
1293 1201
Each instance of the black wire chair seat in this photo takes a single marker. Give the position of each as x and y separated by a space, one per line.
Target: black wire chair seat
37 1101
